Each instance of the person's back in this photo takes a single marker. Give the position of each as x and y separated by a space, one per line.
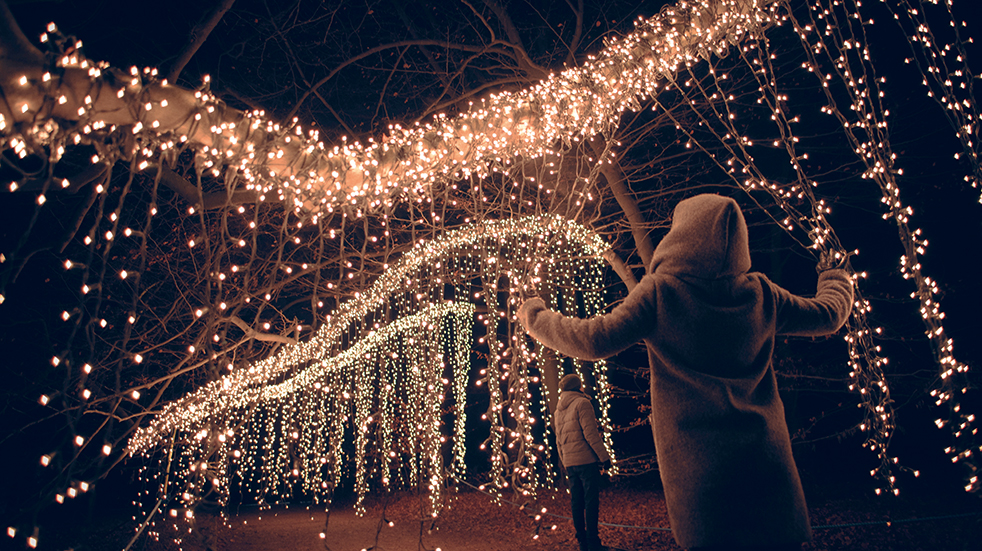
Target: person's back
723 448
581 453
577 444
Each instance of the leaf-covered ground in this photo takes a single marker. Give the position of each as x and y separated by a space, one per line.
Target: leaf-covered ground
472 521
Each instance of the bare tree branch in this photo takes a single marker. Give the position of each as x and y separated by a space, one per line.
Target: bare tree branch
368 53
199 34
621 269
14 45
615 180
192 194
515 42
260 336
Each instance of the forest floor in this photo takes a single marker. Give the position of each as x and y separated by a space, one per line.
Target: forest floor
634 515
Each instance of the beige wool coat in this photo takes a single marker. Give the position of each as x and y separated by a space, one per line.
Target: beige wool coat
723 449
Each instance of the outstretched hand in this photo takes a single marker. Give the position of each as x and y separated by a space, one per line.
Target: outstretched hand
529 285
528 294
524 310
832 260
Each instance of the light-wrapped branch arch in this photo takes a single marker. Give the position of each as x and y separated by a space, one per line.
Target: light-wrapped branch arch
369 386
282 161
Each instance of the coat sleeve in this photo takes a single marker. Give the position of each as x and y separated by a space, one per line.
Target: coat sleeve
822 315
588 423
598 337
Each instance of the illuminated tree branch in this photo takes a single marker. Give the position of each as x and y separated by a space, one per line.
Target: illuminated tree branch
199 34
284 161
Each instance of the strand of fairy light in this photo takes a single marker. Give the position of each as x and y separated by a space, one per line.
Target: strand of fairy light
964 115
874 151
289 163
867 366
515 460
944 77
592 303
282 425
230 397
396 278
865 361
817 228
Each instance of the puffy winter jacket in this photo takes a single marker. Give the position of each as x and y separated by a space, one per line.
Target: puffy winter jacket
577 436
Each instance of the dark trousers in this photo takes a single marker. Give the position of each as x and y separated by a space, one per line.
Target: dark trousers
584 486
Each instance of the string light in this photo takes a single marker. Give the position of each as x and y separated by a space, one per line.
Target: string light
828 32
388 387
290 164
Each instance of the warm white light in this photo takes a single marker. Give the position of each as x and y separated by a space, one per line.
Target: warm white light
407 355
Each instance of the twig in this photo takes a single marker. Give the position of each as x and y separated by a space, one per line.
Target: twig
199 34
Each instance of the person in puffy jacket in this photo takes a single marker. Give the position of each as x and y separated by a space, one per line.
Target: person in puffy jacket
583 455
709 324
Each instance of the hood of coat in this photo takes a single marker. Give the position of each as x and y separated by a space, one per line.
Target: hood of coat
567 397
708 240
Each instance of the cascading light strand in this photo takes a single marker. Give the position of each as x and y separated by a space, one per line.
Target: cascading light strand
290 434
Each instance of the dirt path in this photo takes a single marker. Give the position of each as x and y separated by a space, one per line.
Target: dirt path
473 521
300 530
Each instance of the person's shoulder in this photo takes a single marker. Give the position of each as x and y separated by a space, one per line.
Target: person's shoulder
760 281
580 400
757 276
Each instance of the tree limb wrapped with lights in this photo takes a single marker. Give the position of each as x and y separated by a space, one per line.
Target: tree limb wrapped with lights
395 365
56 102
284 162
837 56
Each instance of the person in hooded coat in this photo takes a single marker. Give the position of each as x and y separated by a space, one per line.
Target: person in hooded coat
583 455
723 449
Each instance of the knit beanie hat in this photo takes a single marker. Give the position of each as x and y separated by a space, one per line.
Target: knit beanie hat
570 382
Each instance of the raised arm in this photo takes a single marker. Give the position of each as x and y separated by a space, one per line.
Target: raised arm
821 315
598 337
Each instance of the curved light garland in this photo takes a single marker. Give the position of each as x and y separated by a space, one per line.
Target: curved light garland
402 277
285 162
388 387
288 163
836 55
